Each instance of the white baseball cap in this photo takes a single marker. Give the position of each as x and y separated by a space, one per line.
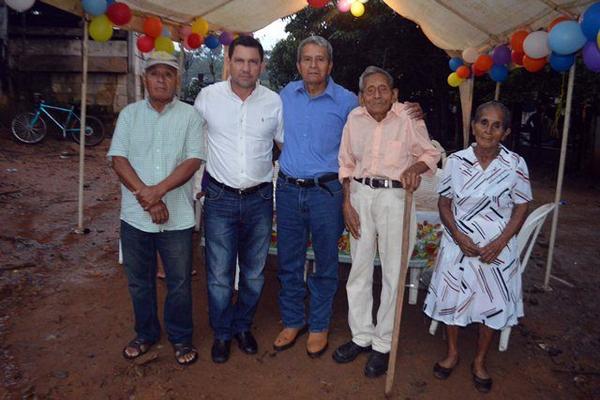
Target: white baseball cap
161 57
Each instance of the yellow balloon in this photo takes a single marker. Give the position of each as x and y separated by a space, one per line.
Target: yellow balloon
454 80
163 43
200 26
357 9
598 39
100 28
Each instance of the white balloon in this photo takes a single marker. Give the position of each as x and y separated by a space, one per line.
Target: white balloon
470 55
20 5
536 44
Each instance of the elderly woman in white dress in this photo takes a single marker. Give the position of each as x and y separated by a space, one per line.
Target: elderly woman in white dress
484 197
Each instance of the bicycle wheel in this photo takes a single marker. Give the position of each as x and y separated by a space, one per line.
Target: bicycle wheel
94 130
24 131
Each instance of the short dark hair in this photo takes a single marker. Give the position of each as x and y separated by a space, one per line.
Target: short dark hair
246 41
506 117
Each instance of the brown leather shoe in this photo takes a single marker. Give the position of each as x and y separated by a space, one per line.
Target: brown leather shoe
316 344
287 338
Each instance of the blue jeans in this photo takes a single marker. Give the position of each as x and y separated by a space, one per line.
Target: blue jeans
139 261
236 227
300 212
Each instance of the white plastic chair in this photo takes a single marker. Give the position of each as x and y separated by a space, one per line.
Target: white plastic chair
525 239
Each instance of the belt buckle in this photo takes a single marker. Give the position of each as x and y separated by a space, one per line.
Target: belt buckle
371 183
300 181
387 183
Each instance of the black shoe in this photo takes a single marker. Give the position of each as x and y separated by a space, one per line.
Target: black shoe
377 364
246 342
443 372
483 385
220 351
348 352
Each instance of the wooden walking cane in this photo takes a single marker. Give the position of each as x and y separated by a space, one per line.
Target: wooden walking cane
406 223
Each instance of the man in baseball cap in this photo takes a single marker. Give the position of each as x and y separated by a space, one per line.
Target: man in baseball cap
161 58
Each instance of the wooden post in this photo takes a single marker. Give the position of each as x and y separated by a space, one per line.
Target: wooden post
84 70
406 223
497 94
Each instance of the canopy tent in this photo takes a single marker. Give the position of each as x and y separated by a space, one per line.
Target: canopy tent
450 25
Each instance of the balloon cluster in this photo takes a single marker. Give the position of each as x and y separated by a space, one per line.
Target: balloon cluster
557 45
356 7
156 36
105 14
197 34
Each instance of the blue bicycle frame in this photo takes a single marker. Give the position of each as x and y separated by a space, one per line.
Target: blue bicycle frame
43 109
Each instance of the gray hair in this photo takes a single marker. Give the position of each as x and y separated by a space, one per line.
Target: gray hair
372 70
506 117
316 40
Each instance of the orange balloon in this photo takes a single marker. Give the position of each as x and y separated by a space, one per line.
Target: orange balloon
533 64
476 71
152 27
484 62
517 39
463 72
557 21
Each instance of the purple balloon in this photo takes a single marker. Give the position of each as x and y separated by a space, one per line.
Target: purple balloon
591 56
501 55
226 38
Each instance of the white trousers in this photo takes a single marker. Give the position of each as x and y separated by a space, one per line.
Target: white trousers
381 214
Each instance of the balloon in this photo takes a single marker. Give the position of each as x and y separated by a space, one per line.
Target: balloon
566 38
455 62
463 72
145 43
20 5
536 44
226 38
591 56
94 7
357 9
470 55
484 63
501 55
476 72
590 21
499 73
517 57
533 64
185 30
163 43
211 42
517 39
598 39
454 80
166 32
193 40
557 21
561 63
317 3
119 13
200 26
100 28
344 5
153 27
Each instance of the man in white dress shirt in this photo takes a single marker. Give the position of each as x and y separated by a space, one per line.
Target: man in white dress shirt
241 119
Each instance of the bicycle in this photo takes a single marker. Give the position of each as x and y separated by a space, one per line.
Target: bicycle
30 127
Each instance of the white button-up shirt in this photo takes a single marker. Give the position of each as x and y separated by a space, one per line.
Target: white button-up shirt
240 133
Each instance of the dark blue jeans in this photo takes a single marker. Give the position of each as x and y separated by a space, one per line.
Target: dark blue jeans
300 212
139 260
236 227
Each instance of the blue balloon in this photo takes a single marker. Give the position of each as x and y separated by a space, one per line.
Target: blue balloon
166 32
561 63
566 38
94 7
590 21
211 41
455 62
498 73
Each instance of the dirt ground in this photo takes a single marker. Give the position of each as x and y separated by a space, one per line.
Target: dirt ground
65 312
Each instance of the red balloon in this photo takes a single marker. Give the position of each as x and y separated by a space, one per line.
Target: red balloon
463 71
152 27
317 3
517 39
517 57
484 62
194 40
145 43
476 71
119 13
533 64
557 21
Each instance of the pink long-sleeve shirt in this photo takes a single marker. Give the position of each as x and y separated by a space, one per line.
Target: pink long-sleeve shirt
386 148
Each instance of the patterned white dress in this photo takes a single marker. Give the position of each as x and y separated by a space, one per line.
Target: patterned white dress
463 289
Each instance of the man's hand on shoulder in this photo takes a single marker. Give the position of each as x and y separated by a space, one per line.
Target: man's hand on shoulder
414 110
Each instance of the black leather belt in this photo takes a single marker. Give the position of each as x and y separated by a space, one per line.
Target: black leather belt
308 182
241 192
379 183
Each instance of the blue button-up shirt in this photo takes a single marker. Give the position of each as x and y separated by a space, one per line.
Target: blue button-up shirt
313 128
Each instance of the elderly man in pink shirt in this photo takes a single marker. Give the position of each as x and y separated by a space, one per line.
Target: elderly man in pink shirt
382 155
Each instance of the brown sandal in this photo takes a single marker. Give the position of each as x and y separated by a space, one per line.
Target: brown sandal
292 341
138 344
